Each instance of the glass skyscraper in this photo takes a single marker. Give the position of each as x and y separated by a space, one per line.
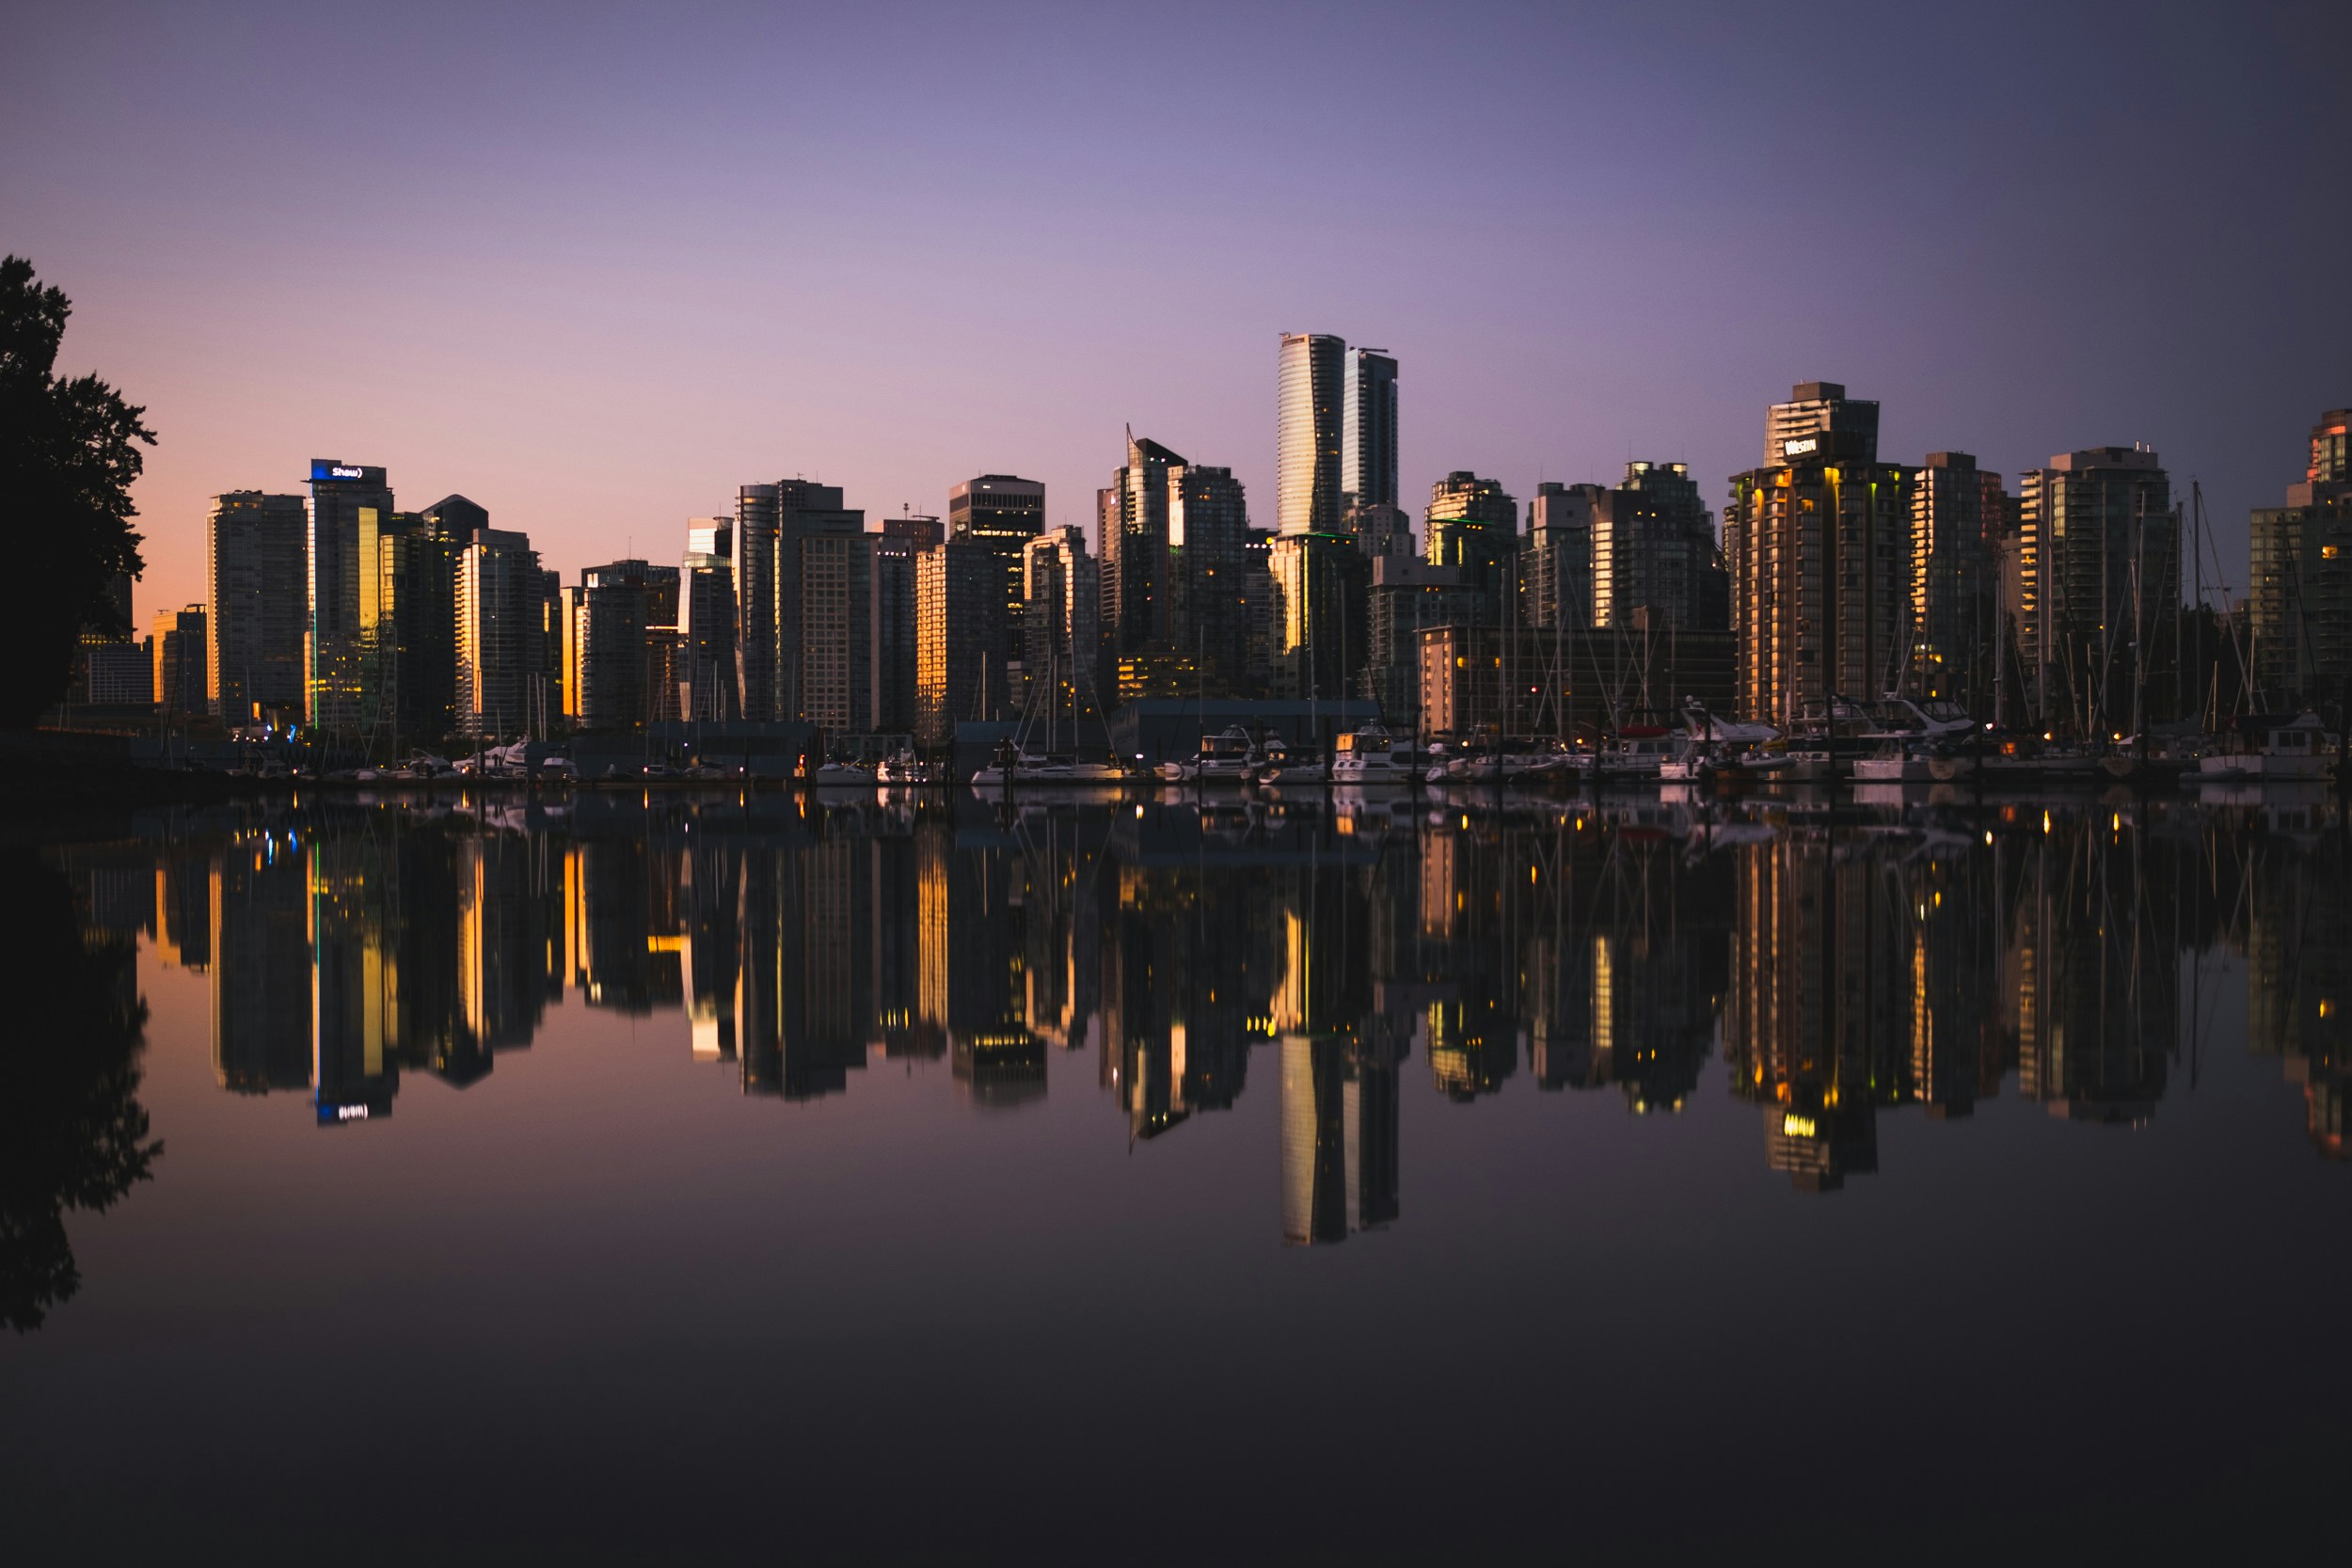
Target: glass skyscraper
1307 498
1368 430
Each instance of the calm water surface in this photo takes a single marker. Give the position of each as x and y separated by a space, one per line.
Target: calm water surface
713 1181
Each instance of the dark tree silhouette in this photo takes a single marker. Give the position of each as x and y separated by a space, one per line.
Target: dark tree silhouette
73 1134
68 450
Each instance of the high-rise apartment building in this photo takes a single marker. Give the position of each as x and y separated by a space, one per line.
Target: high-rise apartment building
893 661
2300 597
176 642
706 658
1133 522
773 527
1556 569
609 683
410 629
835 667
1002 512
1208 525
1473 525
1061 619
255 585
1368 430
960 639
1380 529
1322 582
1959 514
2097 580
1817 408
1654 558
1307 485
346 498
505 684
1406 597
1818 548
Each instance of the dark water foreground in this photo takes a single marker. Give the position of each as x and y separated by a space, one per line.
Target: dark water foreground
1121 1183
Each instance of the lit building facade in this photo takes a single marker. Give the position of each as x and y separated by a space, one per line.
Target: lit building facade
1818 550
1368 430
959 622
1311 396
1473 525
346 499
1001 512
2098 585
256 571
1061 617
176 641
1321 585
505 654
1654 561
1959 514
2300 597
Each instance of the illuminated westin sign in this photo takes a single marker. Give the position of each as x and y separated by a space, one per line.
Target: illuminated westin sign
1804 445
328 469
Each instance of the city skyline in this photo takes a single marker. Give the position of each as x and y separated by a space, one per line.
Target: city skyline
601 348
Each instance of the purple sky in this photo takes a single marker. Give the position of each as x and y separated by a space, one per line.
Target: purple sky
595 266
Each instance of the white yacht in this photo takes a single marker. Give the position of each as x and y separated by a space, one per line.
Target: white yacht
1372 755
2264 749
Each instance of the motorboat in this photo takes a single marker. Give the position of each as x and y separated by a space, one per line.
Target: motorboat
2265 747
1897 761
904 767
1372 755
842 774
1228 758
1022 768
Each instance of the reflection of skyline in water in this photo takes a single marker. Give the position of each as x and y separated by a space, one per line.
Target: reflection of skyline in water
1842 971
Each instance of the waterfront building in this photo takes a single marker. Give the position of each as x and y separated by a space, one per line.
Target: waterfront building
959 621
1001 512
1132 516
2301 595
706 657
2097 580
1407 597
408 619
606 620
506 658
177 641
256 587
1380 528
347 501
1368 431
1959 514
1311 396
1818 550
895 656
1208 527
1654 559
1473 525
785 669
1061 618
1556 568
1819 408
1321 584
1530 680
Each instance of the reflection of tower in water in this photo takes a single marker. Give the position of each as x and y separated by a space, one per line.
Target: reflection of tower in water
2092 971
261 972
803 979
1818 1001
2298 982
1339 1156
